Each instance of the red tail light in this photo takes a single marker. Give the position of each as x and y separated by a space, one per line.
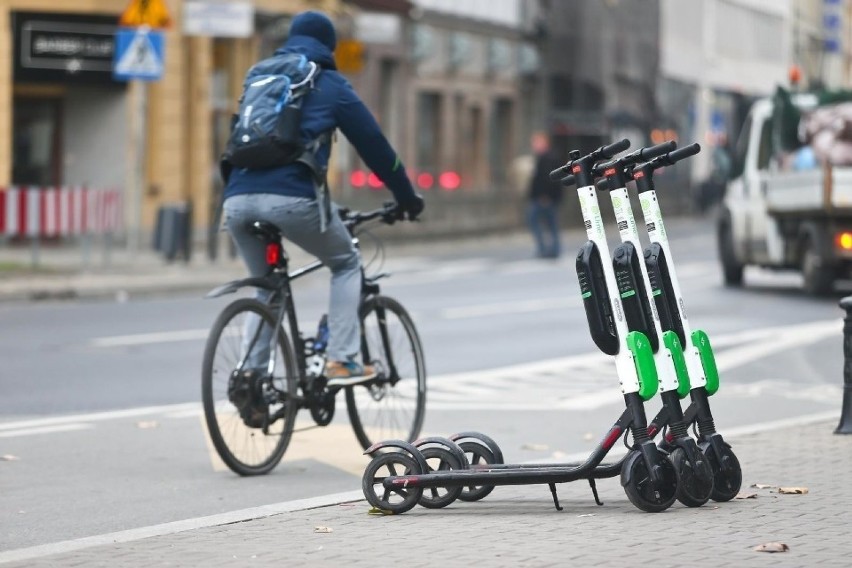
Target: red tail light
449 181
374 181
273 254
358 178
425 180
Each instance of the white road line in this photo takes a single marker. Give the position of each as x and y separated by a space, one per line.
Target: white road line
98 416
45 430
148 338
511 307
264 511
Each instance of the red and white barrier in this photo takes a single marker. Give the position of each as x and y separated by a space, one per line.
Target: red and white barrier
60 212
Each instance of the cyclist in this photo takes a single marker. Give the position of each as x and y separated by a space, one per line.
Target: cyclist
290 197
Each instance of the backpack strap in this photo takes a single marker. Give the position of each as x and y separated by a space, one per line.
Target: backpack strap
319 174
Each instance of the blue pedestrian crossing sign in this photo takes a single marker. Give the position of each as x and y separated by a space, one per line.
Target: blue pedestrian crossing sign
138 54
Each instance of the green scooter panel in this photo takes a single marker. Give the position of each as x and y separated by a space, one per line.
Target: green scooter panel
708 360
672 343
643 360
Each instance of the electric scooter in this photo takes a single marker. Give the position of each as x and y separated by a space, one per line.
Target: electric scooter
698 354
695 475
395 480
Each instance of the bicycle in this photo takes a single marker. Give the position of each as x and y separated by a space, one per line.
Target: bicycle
256 376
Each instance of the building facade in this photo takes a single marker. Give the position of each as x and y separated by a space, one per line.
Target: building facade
65 121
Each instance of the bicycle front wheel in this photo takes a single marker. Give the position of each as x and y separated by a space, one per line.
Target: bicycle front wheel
392 405
250 413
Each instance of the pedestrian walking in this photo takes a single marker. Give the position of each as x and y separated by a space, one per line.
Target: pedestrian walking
545 197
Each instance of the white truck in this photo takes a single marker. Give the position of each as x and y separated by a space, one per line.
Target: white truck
782 212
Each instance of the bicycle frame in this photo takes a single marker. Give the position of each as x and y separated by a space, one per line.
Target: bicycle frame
277 283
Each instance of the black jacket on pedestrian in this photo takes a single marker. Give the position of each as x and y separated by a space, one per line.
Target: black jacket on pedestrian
541 187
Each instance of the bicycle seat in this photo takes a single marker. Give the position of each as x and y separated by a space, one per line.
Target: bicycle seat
266 231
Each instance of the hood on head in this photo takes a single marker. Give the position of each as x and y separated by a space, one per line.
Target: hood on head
316 25
312 34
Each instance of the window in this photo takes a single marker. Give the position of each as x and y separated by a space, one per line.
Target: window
36 143
740 149
764 151
428 132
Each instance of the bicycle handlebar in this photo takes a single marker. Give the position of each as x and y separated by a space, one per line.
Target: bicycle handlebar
388 213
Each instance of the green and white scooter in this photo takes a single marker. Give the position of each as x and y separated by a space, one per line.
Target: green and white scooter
631 348
695 476
698 354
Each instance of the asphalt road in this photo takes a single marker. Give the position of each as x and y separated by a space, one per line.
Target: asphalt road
100 428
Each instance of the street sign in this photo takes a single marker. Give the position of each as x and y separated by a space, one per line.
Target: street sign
218 18
138 54
349 56
151 13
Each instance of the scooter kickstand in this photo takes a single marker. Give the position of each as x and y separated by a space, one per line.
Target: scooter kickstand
595 491
555 498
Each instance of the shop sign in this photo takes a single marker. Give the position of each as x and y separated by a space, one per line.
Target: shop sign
63 47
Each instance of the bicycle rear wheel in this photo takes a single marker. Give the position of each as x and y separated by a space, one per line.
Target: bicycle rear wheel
249 414
393 404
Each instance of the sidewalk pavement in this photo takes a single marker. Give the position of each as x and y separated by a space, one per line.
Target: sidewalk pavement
518 526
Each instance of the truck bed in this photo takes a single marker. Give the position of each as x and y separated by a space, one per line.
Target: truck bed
827 191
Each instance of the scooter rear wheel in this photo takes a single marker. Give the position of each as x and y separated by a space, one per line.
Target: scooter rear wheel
477 454
695 483
640 489
391 501
726 484
439 459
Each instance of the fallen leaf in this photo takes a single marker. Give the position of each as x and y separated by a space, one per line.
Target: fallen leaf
742 495
147 424
9 458
762 486
323 529
772 547
588 436
535 447
376 511
793 490
586 515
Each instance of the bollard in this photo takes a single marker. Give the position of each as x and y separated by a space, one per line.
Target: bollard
845 426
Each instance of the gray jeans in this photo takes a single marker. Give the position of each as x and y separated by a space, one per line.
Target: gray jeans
298 219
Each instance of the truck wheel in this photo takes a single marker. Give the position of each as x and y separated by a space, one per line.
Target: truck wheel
819 277
732 270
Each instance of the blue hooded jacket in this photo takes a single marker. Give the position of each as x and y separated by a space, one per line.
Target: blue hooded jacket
332 104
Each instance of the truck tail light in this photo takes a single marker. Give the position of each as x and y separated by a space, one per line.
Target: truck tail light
844 240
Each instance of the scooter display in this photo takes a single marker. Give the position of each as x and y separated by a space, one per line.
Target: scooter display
399 477
698 354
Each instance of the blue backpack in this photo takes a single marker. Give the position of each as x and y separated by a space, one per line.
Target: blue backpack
266 132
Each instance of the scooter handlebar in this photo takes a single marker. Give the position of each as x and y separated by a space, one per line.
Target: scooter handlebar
560 172
602 153
685 152
640 155
652 152
607 152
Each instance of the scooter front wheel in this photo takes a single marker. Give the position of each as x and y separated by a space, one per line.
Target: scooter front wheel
399 499
640 488
726 480
695 482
